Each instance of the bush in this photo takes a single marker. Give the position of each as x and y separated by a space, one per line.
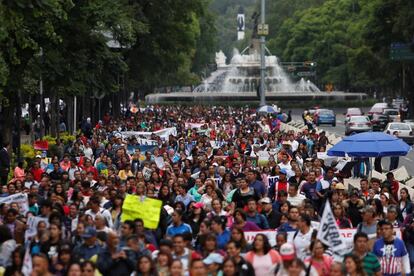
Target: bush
65 137
27 151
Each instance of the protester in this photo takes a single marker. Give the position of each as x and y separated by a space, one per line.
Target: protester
209 179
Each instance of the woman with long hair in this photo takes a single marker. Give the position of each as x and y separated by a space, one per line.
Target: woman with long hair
195 217
164 195
17 262
319 261
237 235
146 267
262 257
353 266
377 205
405 206
341 220
163 264
176 268
230 267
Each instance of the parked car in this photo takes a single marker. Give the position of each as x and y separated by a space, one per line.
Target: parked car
356 124
377 108
324 116
393 113
379 122
353 111
404 130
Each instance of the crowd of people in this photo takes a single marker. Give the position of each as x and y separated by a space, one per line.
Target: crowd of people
215 188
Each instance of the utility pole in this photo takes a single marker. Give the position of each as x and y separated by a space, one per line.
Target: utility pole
263 31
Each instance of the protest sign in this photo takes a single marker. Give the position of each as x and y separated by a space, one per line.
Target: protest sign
272 180
147 173
20 199
32 223
159 161
263 157
328 232
145 208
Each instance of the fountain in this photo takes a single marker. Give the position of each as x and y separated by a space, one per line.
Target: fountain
242 74
238 81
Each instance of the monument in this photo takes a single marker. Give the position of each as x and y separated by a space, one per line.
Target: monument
238 79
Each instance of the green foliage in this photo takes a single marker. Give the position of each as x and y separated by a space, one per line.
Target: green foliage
27 151
65 137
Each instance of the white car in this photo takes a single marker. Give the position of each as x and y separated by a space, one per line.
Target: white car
404 131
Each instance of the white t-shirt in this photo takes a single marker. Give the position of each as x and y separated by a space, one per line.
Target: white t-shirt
296 200
103 212
302 242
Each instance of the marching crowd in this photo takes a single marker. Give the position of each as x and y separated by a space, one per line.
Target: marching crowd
221 175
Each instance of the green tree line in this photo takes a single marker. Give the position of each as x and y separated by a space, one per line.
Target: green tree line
82 47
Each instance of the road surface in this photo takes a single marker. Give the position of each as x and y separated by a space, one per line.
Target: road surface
339 130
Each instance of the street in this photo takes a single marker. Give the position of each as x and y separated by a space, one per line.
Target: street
407 161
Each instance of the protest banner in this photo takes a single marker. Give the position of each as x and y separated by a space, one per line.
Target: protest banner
32 223
27 267
328 232
347 235
41 145
142 148
145 208
20 199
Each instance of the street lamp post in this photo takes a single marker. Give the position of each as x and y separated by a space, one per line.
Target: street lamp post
262 55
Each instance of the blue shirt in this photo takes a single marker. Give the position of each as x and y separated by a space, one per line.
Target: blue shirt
259 220
223 239
173 230
186 199
391 256
259 187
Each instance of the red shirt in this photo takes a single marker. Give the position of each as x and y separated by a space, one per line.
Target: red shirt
37 174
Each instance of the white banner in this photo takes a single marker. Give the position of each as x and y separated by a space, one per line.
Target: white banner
328 231
20 199
163 133
347 235
32 223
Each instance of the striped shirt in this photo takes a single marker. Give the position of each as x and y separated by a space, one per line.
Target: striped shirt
371 264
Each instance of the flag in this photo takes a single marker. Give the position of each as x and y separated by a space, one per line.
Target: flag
27 263
328 232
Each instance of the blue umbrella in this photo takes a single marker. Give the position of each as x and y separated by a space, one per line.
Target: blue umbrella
370 144
267 109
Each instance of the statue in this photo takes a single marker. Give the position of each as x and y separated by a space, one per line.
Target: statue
255 18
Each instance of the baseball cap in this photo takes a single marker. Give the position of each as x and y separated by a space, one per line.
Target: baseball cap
265 200
287 252
198 205
283 171
89 232
213 258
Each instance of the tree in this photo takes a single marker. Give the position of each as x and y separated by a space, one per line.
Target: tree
23 25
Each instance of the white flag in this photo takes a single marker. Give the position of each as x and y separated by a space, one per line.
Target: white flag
328 232
27 263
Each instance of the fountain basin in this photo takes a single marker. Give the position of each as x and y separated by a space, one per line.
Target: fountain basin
231 97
